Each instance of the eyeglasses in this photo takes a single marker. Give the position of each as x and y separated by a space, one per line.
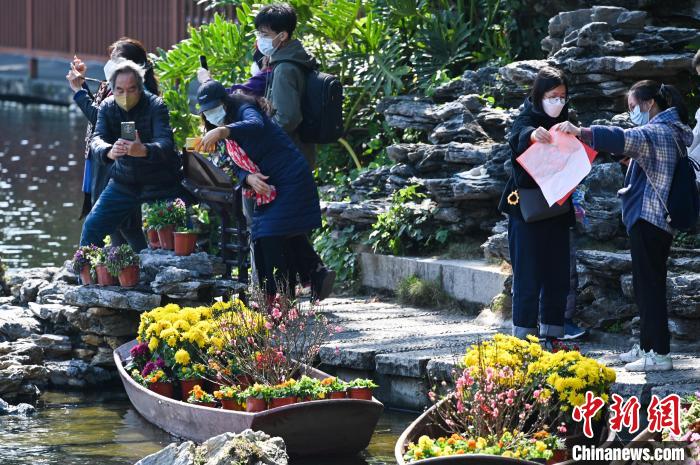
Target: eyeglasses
556 100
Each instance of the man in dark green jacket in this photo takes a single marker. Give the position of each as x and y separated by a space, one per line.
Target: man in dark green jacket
291 63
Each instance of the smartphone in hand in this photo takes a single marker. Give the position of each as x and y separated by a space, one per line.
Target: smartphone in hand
128 130
203 62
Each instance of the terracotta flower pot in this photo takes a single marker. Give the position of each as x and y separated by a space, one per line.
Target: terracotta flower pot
166 237
337 395
85 276
129 276
231 404
282 401
153 241
103 276
253 404
360 393
164 389
184 243
186 385
305 399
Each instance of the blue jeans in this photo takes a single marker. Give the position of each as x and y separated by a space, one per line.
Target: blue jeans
539 253
115 204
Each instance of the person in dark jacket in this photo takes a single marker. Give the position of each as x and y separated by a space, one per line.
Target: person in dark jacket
97 173
655 146
539 251
277 176
290 62
145 169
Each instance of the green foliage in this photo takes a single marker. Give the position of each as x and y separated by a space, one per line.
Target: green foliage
421 293
687 241
406 227
335 246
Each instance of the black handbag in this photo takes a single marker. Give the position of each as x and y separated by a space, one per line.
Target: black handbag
533 205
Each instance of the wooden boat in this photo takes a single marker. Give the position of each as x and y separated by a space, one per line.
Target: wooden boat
322 427
426 425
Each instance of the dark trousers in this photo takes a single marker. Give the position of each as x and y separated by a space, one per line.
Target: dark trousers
573 277
650 247
115 205
130 231
539 254
279 259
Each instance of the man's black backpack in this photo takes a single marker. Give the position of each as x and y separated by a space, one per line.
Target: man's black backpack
321 108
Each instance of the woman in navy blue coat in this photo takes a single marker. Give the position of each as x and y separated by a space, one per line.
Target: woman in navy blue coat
267 162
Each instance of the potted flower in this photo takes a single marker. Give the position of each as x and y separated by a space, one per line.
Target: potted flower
169 215
361 389
123 262
99 261
185 241
307 389
149 225
256 397
82 264
199 396
283 394
189 376
139 355
159 382
335 388
230 398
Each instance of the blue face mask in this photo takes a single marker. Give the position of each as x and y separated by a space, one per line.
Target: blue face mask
639 117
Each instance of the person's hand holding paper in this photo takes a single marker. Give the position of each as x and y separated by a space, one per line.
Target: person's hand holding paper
557 167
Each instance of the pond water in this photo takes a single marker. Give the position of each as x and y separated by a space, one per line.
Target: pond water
41 169
103 429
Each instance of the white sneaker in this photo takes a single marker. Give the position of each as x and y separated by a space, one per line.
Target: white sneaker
651 361
635 354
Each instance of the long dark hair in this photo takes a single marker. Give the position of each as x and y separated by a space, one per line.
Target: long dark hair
133 50
665 96
234 102
548 78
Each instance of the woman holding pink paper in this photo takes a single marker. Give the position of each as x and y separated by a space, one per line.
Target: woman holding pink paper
539 244
656 148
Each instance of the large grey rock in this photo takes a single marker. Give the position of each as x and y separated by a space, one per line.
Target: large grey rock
77 374
17 322
52 313
16 276
100 321
53 293
20 410
53 345
496 247
23 351
29 289
610 264
364 213
460 128
408 113
683 293
112 297
249 447
475 184
199 264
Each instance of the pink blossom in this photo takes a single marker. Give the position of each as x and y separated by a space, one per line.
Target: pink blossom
283 328
293 314
509 401
562 428
268 325
338 329
276 313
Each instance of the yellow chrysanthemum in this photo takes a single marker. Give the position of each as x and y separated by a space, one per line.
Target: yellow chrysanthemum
182 357
153 344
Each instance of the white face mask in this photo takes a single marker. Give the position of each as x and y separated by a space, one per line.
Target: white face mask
109 68
265 44
216 115
553 106
639 117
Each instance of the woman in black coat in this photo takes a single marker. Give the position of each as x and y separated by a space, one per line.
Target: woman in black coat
97 171
539 251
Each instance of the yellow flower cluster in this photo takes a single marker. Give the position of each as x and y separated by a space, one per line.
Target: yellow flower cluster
571 375
504 351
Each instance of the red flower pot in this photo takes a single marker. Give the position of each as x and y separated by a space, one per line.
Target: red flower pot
166 237
129 276
305 399
253 404
153 241
85 276
103 276
360 393
186 385
231 404
164 389
282 401
184 243
337 395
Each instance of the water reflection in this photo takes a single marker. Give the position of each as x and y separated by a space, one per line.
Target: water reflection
103 429
41 153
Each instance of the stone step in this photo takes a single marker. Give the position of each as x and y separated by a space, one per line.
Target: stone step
465 280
